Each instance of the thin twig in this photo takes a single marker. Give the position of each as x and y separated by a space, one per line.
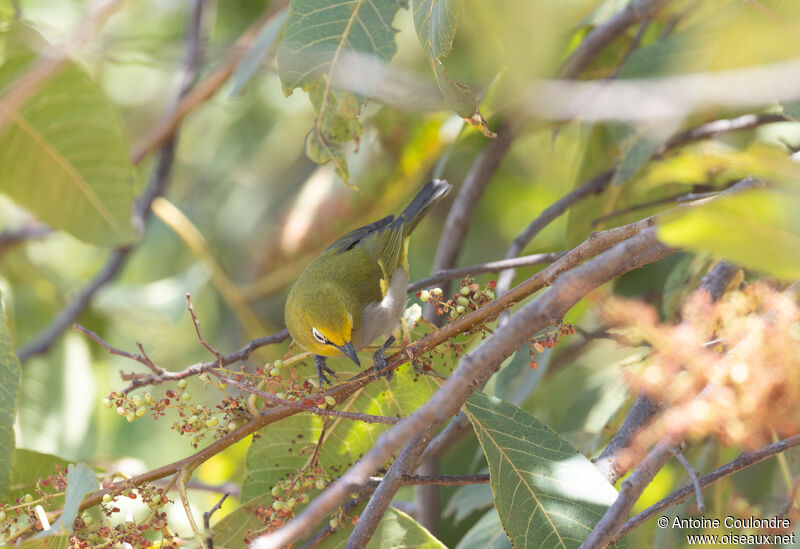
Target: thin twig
489 267
183 476
698 491
745 460
207 520
29 231
196 323
678 198
142 358
356 416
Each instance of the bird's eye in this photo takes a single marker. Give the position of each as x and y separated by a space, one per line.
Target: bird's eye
318 336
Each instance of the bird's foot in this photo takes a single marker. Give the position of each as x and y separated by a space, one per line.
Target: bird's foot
320 362
379 360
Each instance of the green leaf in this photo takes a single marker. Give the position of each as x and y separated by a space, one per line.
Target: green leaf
757 229
246 68
792 110
487 533
80 481
396 530
468 499
10 374
28 467
546 493
636 152
50 542
63 153
330 43
231 531
436 22
278 454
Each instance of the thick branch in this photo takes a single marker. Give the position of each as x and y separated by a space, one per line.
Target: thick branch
475 369
742 462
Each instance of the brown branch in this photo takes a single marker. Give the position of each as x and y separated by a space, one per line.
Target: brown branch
745 460
678 198
644 408
603 35
489 267
197 330
205 89
715 127
698 491
28 231
476 368
141 211
207 520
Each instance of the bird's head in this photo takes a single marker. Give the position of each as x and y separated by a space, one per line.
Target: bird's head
320 321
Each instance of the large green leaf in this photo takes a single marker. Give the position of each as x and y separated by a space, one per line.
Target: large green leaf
327 44
757 229
275 454
487 533
63 152
28 467
396 530
546 493
9 391
231 531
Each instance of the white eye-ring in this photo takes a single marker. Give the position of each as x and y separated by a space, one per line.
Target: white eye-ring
318 336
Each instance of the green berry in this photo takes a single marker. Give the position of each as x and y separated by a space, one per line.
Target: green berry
460 309
424 296
277 364
276 491
277 505
489 294
463 301
195 440
140 411
274 372
194 419
319 484
107 498
148 398
303 498
137 400
181 384
333 523
2 516
231 426
87 520
106 402
436 291
291 502
186 397
27 498
465 291
130 416
212 422
453 313
330 400
121 410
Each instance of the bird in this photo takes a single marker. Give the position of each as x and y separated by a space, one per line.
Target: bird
354 292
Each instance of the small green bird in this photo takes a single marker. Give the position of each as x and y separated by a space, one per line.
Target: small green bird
355 290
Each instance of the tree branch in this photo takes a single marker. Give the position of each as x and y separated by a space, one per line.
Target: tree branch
745 460
591 46
475 369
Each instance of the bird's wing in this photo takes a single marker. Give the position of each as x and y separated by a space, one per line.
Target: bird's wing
381 241
352 238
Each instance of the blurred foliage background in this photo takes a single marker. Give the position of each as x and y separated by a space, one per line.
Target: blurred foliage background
242 179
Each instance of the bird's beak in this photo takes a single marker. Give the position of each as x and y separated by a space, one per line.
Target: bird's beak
350 352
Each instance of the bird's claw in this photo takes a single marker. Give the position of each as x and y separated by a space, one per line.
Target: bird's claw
322 368
379 360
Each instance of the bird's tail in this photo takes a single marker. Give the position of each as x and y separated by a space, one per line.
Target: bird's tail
426 199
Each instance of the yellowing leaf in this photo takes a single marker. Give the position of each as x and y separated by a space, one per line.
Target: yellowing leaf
757 229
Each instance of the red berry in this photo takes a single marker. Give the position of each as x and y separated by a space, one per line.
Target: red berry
132 495
419 293
307 402
533 365
170 393
493 284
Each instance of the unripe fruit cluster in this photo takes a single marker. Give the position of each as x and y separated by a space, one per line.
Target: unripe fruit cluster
469 297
